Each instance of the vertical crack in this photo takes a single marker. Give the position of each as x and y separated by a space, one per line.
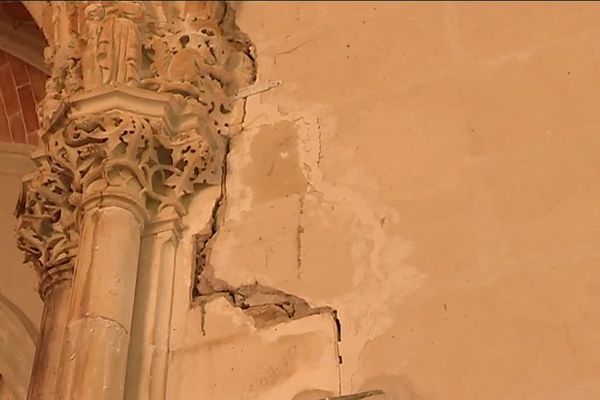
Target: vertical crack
299 232
203 240
320 137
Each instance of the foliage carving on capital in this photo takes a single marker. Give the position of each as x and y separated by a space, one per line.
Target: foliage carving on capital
46 230
126 150
181 64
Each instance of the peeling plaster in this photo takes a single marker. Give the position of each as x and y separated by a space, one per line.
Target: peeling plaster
379 278
265 305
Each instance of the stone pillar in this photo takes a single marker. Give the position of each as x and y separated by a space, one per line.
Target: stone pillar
139 105
97 335
44 375
148 361
47 236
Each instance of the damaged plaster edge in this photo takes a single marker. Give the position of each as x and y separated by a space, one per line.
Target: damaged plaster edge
205 237
229 324
266 306
257 88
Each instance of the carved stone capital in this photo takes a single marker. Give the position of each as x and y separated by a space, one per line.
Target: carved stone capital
138 110
191 49
46 230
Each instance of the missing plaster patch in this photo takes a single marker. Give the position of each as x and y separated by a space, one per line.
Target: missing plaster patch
267 306
275 171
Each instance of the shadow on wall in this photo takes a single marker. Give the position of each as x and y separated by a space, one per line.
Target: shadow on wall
394 387
29 326
312 395
17 345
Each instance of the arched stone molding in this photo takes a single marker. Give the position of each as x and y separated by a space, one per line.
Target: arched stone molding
41 13
21 34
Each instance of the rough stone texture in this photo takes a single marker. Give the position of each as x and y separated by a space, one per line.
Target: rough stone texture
428 170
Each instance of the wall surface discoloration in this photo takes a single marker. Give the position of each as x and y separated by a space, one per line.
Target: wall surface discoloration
428 171
274 171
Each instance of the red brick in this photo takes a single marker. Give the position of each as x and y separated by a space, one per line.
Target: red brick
33 138
9 92
4 129
28 108
38 82
19 71
3 58
17 128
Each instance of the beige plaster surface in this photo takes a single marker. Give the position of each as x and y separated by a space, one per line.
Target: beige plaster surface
18 283
228 358
426 169
20 305
430 171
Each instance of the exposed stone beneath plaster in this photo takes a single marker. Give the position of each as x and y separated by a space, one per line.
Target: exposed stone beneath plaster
266 306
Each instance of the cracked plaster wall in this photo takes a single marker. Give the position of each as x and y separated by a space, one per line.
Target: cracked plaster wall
428 170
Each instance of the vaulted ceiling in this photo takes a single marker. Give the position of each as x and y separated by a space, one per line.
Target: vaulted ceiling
22 77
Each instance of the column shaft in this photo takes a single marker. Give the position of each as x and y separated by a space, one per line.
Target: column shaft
44 376
94 357
148 358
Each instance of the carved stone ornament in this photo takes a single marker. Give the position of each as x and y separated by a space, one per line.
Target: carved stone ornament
121 149
46 227
140 102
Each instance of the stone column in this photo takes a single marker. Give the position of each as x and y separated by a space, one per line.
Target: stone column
148 360
44 375
97 335
46 234
137 112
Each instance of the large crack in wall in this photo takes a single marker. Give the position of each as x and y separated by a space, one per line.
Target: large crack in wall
266 305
